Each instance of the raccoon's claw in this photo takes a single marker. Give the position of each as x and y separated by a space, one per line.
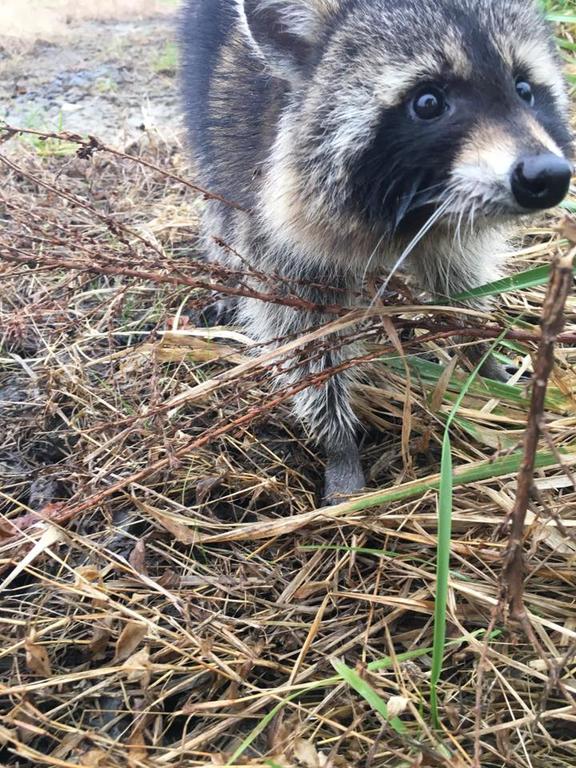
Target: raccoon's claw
220 312
344 476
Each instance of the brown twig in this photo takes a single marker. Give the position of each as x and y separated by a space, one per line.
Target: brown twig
438 331
514 570
89 145
551 326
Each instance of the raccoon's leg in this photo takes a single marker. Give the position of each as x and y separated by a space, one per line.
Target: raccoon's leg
222 311
328 414
324 407
344 475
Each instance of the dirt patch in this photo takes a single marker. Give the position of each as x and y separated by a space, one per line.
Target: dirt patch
109 70
28 20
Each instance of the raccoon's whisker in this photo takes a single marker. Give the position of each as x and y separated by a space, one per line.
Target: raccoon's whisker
459 229
472 214
437 214
406 200
457 239
369 262
414 199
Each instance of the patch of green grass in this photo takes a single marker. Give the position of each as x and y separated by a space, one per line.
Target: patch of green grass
38 121
166 63
352 678
563 12
106 85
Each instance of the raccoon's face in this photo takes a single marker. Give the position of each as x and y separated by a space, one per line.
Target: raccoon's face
403 110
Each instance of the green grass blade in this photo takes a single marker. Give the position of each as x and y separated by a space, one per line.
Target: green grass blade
501 466
529 278
561 18
429 372
261 726
368 693
444 546
442 572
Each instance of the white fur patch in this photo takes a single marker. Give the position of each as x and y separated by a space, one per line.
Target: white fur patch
245 27
487 161
543 137
396 81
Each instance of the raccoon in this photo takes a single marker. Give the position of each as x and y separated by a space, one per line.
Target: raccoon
358 135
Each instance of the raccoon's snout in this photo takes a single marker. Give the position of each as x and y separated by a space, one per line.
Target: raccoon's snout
541 181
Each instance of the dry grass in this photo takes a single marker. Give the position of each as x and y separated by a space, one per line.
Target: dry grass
169 589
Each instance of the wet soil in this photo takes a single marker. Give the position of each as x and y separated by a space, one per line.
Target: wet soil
112 78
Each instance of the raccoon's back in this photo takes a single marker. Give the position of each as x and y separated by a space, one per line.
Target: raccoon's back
232 105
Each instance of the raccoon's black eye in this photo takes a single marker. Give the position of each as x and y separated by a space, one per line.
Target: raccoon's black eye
524 90
429 103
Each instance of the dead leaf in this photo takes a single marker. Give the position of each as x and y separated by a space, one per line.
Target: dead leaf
169 579
11 528
130 638
137 750
568 229
37 659
100 639
137 557
87 573
94 759
205 487
306 755
138 668
438 395
181 533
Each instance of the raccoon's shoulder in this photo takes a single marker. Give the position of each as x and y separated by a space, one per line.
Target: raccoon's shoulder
231 102
205 29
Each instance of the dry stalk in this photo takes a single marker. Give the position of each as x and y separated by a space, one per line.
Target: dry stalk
553 320
511 598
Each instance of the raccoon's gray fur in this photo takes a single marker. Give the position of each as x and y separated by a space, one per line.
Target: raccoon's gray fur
342 127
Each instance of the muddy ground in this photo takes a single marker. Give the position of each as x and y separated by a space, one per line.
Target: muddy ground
109 69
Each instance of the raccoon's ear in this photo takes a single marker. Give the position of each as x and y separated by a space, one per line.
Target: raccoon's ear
284 32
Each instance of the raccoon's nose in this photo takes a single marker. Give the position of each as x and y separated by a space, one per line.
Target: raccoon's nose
541 181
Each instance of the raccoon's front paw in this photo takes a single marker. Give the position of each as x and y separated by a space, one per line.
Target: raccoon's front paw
494 369
344 476
220 312
491 367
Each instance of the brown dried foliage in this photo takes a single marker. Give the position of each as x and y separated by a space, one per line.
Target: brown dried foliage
169 586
